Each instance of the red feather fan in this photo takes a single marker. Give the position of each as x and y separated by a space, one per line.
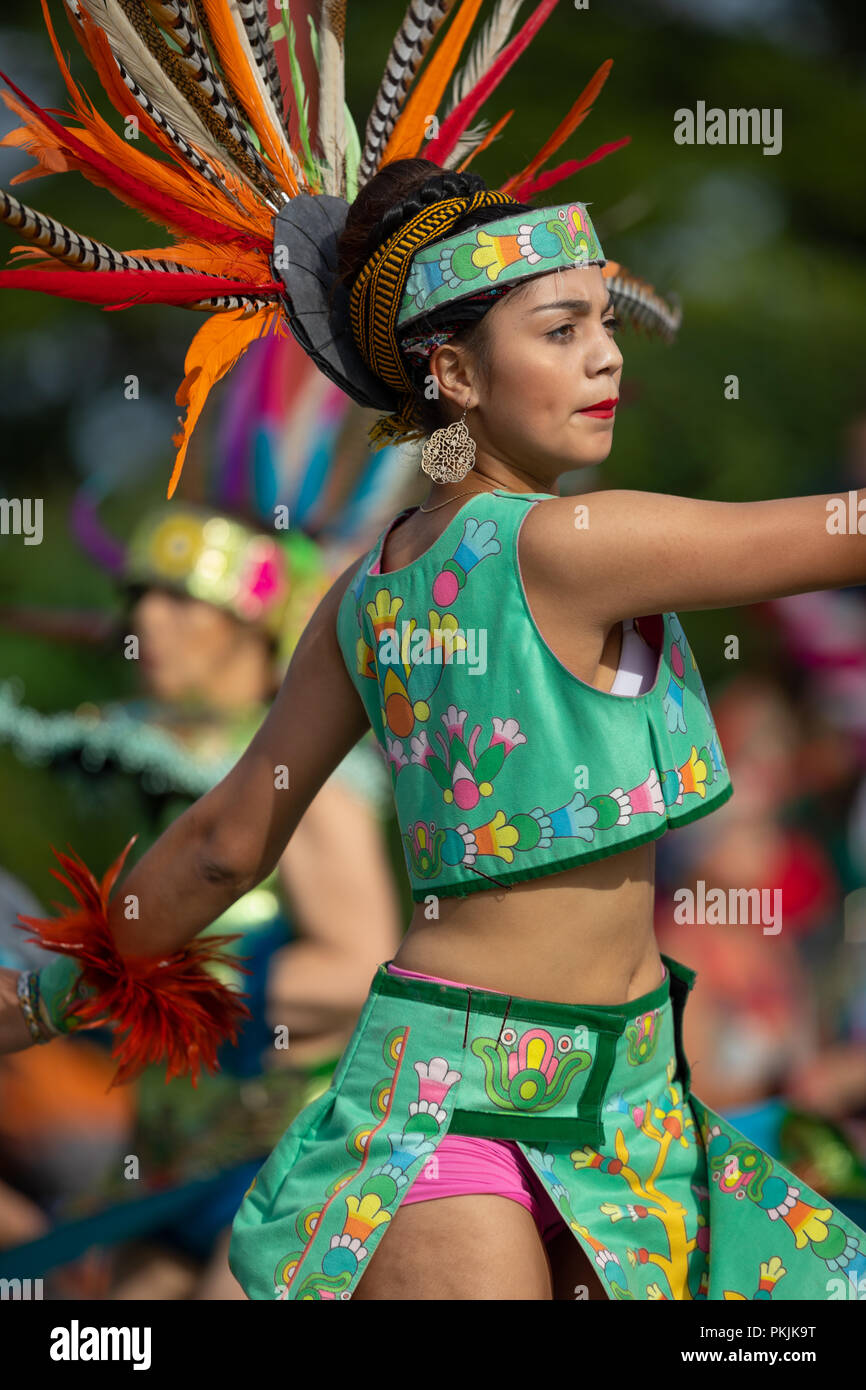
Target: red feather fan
162 1008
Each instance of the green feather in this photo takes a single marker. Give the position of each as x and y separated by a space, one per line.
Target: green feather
286 30
353 157
314 38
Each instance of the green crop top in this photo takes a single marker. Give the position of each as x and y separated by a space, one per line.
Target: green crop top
504 765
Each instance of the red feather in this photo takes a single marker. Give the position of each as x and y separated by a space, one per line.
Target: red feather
163 1008
564 171
454 125
158 205
119 289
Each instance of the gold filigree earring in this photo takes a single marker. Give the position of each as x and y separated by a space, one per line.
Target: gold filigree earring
449 453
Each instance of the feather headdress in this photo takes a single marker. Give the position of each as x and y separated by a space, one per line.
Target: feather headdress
231 144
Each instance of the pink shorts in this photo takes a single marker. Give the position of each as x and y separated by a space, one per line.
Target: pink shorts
463 1164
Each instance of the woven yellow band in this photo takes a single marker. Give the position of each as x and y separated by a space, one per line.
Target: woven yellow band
377 293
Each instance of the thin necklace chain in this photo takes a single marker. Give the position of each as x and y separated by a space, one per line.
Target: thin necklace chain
473 492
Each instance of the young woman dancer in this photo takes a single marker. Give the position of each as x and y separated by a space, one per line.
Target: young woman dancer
513 1112
472 1029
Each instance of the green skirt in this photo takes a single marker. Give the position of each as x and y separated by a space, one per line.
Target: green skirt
667 1199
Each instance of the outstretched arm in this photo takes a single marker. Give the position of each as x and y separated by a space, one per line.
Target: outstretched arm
623 553
232 837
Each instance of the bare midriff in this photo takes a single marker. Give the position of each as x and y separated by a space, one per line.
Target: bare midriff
581 936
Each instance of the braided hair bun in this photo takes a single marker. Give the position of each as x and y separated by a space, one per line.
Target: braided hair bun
392 198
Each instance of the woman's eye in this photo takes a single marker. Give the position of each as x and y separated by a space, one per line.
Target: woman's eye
614 324
563 328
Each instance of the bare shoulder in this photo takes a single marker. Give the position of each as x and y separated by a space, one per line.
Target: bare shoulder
556 526
555 520
568 543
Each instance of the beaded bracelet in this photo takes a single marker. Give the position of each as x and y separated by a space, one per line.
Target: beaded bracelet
29 999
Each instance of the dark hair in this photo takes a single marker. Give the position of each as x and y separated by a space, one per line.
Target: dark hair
393 197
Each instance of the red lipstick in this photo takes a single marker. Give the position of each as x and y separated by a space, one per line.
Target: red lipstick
602 410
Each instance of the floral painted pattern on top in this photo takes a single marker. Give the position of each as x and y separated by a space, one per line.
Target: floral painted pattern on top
464 732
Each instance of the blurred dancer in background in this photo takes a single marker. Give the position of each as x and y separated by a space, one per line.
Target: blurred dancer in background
217 603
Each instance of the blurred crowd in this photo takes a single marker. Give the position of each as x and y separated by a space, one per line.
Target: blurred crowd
776 1030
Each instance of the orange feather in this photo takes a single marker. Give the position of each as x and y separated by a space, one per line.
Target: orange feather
193 192
36 141
409 133
96 47
579 111
236 65
123 101
181 183
246 265
214 350
488 139
31 253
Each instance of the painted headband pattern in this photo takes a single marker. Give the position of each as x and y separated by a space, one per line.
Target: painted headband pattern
524 244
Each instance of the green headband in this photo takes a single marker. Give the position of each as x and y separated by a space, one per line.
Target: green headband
522 245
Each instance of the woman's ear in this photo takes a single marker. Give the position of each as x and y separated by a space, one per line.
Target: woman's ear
452 371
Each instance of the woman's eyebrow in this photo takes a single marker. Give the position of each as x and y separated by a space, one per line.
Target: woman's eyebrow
580 306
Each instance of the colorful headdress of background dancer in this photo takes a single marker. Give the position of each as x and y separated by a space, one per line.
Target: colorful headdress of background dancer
283 496
237 182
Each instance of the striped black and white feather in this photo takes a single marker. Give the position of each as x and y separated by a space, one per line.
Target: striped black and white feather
254 14
412 40
637 302
73 248
179 110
